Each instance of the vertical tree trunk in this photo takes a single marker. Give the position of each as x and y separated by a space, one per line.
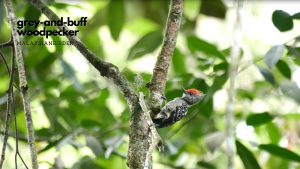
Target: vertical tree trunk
234 58
138 138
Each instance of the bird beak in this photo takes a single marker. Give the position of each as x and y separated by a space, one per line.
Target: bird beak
184 91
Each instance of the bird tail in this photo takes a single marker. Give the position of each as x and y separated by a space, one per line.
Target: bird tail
157 120
160 122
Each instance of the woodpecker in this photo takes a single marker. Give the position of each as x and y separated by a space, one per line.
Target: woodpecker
176 109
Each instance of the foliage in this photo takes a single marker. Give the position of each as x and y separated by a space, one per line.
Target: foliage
82 119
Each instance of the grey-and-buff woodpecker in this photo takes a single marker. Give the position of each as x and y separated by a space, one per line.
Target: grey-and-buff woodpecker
176 109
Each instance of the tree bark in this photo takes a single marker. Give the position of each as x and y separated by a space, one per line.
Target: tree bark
23 83
138 143
139 129
160 71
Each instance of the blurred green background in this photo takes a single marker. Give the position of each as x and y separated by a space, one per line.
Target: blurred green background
81 120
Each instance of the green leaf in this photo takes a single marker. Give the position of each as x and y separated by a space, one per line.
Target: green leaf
69 92
66 140
113 143
85 162
259 119
94 145
278 162
221 66
279 151
206 165
116 17
32 14
171 149
178 61
93 42
196 44
242 94
293 51
226 51
44 133
1 13
296 16
69 72
64 6
104 94
51 83
215 8
291 89
150 11
294 116
273 132
284 69
267 75
51 144
282 20
218 83
90 123
99 19
146 44
207 63
246 156
273 55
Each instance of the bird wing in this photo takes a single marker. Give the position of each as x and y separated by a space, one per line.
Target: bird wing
175 116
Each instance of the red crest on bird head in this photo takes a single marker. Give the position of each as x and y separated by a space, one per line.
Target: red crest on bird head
193 91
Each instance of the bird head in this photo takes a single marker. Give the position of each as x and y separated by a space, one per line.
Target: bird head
192 96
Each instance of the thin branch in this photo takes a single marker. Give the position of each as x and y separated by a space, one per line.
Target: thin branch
7 44
112 128
7 68
234 57
17 153
23 82
22 137
15 116
8 113
295 38
5 62
157 140
159 78
116 152
249 64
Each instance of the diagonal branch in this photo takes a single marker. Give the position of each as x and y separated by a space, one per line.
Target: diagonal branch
138 145
106 69
23 82
158 81
157 139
